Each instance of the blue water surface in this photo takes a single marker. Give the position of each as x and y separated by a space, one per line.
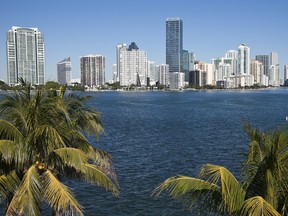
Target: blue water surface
155 135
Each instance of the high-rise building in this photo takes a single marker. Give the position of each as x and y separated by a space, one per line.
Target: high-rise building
64 71
185 64
243 60
273 58
177 80
25 55
114 73
285 72
131 65
264 59
92 70
174 44
274 73
192 59
118 60
151 73
232 54
257 72
163 74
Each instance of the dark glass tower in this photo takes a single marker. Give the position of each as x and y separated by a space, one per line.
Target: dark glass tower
264 59
174 44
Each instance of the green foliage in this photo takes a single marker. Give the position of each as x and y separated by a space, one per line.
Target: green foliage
51 85
41 140
263 190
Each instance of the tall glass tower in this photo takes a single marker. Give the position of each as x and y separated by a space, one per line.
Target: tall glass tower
264 59
25 55
174 44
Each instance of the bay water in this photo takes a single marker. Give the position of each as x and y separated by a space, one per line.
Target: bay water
155 135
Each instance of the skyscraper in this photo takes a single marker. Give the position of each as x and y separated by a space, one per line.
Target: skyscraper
243 60
257 72
163 74
274 73
64 71
185 64
118 60
264 59
131 65
25 55
174 44
92 70
285 82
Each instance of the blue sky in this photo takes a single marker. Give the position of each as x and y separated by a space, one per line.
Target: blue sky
76 28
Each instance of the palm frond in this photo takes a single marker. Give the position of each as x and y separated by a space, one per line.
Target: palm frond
78 160
232 192
27 198
100 157
76 139
255 155
7 150
59 196
9 131
8 183
70 157
258 206
193 192
50 136
178 186
98 175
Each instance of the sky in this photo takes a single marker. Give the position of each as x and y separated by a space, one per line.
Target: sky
74 28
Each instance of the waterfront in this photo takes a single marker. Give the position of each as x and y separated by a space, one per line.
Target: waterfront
154 135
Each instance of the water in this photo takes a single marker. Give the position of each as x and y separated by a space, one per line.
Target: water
155 135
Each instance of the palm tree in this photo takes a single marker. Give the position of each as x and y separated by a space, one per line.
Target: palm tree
42 141
263 190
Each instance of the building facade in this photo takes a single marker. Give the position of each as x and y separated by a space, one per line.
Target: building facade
25 56
243 60
264 59
174 44
177 80
274 72
163 74
132 65
285 72
92 69
257 72
64 71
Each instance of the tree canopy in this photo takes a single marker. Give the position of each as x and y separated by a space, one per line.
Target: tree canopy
263 190
41 143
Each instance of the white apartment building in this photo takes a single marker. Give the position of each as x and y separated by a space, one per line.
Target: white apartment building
152 73
177 80
131 65
243 60
274 70
162 71
257 71
25 55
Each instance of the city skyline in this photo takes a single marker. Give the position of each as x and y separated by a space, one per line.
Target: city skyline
209 29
